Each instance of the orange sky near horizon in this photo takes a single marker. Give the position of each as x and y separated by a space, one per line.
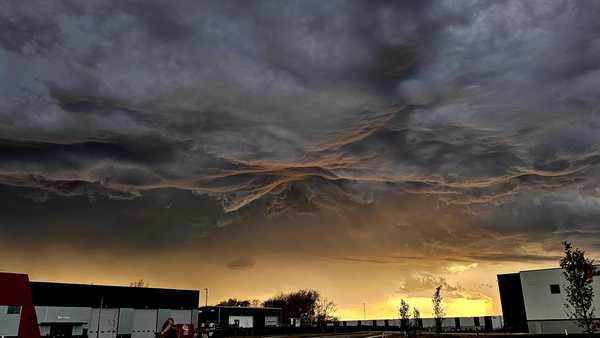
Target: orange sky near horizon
469 290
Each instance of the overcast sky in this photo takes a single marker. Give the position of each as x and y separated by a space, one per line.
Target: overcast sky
368 149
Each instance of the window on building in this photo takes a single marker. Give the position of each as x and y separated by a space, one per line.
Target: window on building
554 288
13 310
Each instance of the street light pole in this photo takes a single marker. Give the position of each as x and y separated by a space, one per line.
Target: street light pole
364 311
206 297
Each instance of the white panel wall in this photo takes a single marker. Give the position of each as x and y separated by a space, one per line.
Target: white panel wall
182 316
244 321
60 314
497 322
540 304
163 315
195 317
271 321
125 320
394 322
140 323
144 323
108 323
449 322
428 323
467 322
9 323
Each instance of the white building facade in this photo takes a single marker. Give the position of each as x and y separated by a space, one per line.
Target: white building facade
76 310
535 300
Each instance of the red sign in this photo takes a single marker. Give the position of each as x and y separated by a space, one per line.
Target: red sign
185 331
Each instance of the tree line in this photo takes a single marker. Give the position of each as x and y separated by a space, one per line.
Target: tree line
307 305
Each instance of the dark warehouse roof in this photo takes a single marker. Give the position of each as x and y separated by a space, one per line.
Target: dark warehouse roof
84 295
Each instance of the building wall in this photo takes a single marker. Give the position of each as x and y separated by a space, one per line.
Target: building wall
73 308
553 326
430 322
144 323
271 321
63 314
125 320
449 324
243 321
497 322
140 323
9 323
511 299
108 323
540 303
394 322
220 316
467 323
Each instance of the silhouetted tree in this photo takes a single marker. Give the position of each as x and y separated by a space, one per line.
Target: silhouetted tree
303 304
579 271
235 302
140 283
403 310
417 318
325 310
438 308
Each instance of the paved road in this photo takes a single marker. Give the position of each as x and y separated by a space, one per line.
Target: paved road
370 334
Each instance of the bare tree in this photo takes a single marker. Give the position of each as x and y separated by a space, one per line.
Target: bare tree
579 271
325 310
438 308
235 302
140 283
417 318
403 310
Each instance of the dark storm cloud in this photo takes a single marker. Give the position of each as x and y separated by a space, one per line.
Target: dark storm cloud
241 263
271 108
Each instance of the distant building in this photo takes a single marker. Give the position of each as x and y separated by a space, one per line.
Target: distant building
239 317
449 324
98 310
534 301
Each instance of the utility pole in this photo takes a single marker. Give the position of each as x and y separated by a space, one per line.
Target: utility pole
206 297
364 311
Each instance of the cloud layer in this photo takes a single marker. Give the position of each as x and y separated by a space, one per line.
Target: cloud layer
466 131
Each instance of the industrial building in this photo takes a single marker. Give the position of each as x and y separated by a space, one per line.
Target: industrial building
534 301
91 310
